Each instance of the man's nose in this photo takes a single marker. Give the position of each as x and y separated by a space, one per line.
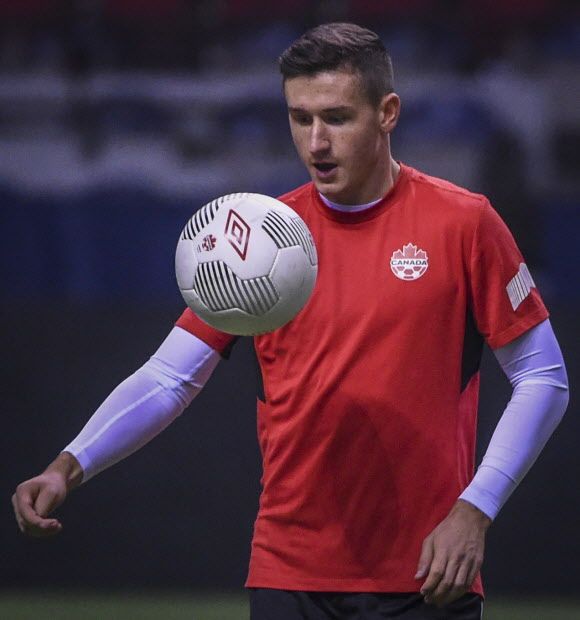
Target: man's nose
319 141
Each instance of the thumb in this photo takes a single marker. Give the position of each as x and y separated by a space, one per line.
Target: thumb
46 501
425 558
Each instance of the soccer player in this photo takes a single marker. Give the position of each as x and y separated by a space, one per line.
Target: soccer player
367 421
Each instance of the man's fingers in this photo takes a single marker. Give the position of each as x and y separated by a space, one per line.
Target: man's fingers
38 526
452 586
29 521
465 575
439 594
473 570
462 577
48 527
23 501
436 574
19 519
425 558
449 597
46 502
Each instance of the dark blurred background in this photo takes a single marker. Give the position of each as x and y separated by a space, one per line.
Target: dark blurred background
119 118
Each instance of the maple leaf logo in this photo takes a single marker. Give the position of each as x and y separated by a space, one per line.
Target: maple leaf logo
410 251
208 243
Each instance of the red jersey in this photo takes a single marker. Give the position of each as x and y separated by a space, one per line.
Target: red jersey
368 426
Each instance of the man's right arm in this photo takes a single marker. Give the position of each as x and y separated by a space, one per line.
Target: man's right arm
135 412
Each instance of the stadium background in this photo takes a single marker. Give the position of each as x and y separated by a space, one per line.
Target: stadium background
119 118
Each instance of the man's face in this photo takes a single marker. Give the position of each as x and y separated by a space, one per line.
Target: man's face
338 134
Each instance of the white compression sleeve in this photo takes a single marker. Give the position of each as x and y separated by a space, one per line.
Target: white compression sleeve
533 363
145 403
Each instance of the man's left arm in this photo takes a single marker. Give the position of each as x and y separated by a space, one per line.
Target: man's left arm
452 554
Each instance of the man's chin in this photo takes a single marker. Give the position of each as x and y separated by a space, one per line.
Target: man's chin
329 189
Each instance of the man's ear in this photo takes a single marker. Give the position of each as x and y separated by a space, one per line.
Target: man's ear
389 110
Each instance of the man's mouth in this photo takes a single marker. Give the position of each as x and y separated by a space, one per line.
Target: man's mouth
325 167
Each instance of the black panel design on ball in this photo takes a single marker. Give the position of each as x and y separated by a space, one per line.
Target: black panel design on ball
204 215
289 232
219 288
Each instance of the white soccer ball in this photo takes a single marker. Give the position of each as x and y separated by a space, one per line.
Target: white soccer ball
246 264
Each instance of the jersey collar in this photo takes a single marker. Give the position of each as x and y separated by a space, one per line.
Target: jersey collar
354 217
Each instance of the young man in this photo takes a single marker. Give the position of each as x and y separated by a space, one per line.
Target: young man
369 506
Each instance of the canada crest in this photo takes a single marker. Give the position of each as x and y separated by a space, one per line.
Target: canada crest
409 263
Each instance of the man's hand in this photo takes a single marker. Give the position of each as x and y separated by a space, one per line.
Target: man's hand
36 498
452 554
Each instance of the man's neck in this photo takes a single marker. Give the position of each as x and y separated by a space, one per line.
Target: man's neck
373 197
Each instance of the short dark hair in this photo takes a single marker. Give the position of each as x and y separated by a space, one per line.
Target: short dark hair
329 47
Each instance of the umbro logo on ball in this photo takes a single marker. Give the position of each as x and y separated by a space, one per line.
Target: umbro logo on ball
237 232
409 263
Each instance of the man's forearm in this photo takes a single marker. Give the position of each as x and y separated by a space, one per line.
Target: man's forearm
535 367
145 403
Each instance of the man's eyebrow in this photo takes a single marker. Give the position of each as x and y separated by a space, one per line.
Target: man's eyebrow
342 108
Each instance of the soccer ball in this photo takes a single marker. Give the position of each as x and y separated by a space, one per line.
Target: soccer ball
246 264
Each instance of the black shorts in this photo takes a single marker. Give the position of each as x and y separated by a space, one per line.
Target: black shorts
266 604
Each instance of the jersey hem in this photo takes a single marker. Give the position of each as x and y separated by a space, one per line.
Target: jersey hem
519 328
341 585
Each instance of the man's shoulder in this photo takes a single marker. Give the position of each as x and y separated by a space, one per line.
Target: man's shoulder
445 192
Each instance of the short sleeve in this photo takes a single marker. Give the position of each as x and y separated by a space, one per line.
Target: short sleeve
217 340
504 297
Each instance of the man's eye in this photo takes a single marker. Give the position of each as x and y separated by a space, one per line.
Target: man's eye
302 120
336 120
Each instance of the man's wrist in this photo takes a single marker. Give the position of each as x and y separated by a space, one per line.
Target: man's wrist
474 511
67 466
